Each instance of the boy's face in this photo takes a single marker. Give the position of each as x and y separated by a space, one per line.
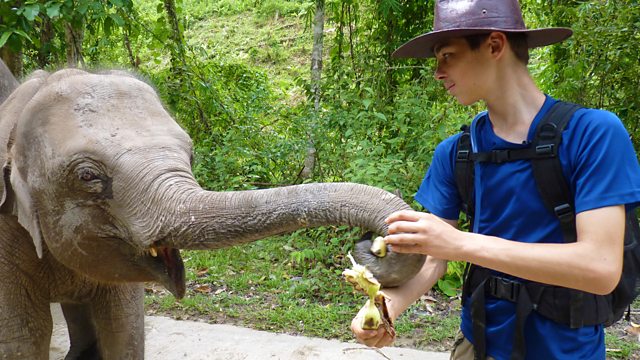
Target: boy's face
463 71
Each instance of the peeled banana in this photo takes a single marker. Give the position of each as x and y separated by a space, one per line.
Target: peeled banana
371 318
374 312
378 247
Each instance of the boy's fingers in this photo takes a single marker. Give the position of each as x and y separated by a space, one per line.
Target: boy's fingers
406 215
402 239
371 338
406 249
405 227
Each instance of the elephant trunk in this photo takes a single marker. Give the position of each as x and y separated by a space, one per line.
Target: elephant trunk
211 220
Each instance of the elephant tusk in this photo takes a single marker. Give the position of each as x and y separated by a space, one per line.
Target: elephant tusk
153 252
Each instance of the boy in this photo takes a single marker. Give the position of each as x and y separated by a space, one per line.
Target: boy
481 48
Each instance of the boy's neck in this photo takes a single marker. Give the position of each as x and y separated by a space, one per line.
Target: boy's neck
513 104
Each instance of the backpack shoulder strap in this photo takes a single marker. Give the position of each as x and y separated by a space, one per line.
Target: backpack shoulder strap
464 173
547 169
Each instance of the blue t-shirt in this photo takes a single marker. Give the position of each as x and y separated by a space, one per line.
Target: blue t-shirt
602 169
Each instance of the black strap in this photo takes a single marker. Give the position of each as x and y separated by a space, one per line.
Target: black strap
505 155
547 170
552 302
464 174
553 187
500 288
479 316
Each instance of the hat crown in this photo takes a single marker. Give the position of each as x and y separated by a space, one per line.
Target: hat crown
482 14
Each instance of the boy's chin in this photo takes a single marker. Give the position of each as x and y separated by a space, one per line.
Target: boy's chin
466 101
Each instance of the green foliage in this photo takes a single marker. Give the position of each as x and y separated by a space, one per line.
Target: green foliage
599 66
277 8
451 283
37 27
620 349
308 291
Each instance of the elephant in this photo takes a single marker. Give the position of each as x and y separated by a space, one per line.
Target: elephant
98 197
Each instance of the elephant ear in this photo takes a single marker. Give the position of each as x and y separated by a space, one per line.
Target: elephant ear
14 191
7 198
23 208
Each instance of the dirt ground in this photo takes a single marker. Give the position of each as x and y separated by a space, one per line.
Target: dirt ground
168 339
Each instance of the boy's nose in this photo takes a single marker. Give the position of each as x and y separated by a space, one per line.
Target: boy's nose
438 74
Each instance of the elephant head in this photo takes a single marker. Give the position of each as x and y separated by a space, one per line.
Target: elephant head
100 175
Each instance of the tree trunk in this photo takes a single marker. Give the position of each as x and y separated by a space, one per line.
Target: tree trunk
134 60
13 60
177 51
46 38
316 77
74 36
316 54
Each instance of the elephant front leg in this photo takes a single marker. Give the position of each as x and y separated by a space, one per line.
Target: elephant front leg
25 326
118 314
82 333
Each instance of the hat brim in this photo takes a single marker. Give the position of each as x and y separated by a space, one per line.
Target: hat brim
422 46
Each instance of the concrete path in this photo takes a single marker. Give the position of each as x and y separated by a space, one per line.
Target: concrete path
168 339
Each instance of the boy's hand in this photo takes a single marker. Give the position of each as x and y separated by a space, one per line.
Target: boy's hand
385 335
373 338
422 233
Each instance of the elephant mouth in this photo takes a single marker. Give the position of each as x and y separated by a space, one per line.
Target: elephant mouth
172 268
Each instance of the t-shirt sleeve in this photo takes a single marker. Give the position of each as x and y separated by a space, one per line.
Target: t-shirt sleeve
438 192
605 169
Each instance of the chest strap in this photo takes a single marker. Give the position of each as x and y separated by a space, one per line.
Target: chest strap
553 302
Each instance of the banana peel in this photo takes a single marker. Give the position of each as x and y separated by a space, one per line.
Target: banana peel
374 312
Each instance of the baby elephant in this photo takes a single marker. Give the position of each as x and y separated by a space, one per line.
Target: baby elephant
98 196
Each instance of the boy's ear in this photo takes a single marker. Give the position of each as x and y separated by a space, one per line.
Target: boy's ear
497 42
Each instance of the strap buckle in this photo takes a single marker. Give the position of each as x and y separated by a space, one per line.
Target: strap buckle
502 288
462 155
564 212
500 156
545 150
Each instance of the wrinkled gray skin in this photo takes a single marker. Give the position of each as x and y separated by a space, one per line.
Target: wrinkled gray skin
96 174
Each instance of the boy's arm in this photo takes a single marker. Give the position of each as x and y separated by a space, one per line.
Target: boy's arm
592 264
398 299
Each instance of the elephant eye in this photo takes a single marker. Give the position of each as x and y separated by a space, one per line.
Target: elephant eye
87 175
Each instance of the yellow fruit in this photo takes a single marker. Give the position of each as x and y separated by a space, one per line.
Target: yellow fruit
378 247
371 319
361 278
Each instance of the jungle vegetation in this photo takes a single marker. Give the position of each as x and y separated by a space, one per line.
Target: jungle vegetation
279 92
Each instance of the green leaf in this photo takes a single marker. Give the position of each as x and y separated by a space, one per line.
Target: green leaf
53 10
5 37
83 7
31 11
108 24
380 116
448 287
117 19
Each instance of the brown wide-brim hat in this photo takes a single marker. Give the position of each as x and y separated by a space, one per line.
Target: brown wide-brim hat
458 18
